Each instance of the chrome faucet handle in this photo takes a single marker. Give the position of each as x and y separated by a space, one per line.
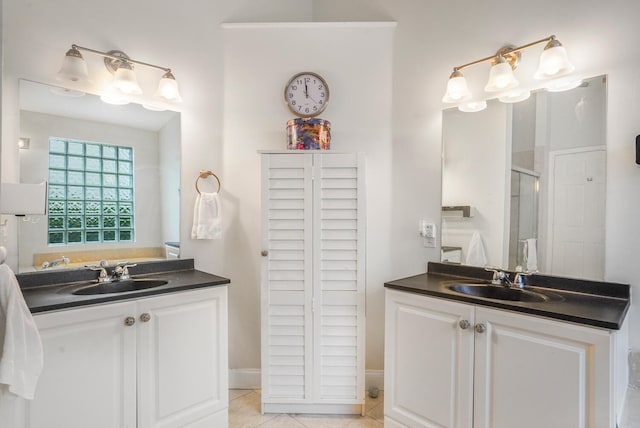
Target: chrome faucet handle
125 270
102 276
519 280
498 276
121 271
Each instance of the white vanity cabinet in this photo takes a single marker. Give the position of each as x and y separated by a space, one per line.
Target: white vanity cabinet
153 362
313 289
450 364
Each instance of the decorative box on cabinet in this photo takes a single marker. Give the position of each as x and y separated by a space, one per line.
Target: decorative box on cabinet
457 365
153 362
313 288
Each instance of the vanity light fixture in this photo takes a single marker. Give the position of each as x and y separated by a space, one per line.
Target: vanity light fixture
124 82
563 84
473 106
501 77
515 96
553 63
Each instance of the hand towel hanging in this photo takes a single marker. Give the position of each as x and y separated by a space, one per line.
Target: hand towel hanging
21 356
475 254
207 217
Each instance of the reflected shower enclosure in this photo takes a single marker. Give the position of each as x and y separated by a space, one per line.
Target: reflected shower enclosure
523 223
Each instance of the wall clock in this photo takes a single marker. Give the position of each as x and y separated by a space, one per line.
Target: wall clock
306 94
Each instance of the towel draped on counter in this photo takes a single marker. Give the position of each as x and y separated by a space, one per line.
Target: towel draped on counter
21 357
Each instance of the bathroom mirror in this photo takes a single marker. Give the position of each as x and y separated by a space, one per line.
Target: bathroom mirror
527 182
95 156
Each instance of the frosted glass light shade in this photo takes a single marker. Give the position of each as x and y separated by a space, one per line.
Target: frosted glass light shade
74 68
515 96
473 106
66 92
457 89
554 62
168 88
125 81
563 84
501 77
112 96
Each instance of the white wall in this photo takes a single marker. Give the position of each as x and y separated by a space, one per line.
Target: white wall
430 39
355 60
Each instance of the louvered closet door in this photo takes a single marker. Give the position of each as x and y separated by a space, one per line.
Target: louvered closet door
339 295
286 278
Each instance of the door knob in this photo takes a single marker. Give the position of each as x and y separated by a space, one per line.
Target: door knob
129 321
264 253
145 317
481 328
464 324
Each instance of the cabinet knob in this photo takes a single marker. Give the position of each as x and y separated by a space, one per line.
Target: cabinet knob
481 328
129 321
145 317
264 253
464 324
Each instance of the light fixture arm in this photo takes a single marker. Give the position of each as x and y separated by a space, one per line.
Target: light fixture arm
120 58
505 52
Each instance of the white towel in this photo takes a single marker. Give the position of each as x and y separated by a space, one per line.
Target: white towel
207 217
475 254
532 255
21 358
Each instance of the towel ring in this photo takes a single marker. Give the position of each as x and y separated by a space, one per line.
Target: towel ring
205 174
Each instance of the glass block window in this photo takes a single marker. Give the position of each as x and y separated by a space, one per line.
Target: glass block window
90 192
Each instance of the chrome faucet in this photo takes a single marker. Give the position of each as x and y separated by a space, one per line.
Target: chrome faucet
56 262
120 271
500 277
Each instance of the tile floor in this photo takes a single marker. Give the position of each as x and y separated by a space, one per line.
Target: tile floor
244 412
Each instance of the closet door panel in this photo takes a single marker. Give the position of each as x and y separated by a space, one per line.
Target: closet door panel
339 277
286 278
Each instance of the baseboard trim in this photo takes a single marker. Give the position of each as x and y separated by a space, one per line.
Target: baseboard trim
252 379
374 378
245 378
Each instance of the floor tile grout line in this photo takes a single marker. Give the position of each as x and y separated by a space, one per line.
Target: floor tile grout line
341 421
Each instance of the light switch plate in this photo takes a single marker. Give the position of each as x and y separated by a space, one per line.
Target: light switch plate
428 232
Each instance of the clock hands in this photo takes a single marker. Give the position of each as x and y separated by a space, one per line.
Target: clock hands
306 89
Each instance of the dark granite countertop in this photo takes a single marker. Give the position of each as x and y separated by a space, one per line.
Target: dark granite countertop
593 303
47 291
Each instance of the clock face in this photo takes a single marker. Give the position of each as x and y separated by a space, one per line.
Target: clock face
306 94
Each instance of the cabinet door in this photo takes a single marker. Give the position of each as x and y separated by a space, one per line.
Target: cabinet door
287 323
89 369
533 372
182 359
339 277
428 362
